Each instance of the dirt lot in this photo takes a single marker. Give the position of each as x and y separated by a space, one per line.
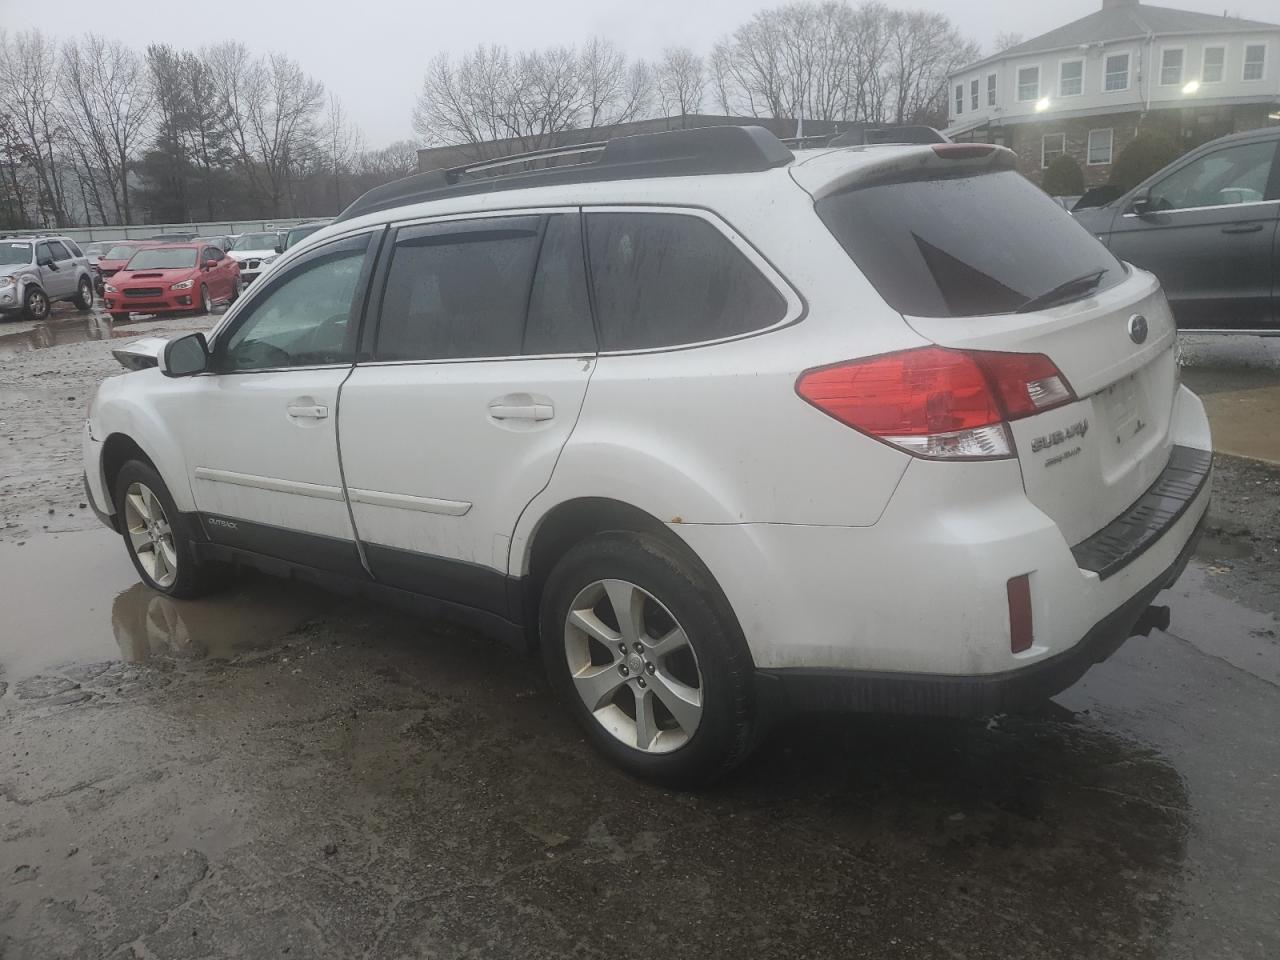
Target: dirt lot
278 772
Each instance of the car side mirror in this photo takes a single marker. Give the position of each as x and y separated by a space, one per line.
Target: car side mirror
210 264
49 263
1140 205
184 356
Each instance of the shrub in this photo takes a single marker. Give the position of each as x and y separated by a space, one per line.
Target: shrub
1063 177
1146 153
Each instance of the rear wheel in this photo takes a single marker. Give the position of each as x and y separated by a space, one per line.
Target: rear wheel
37 304
639 644
84 294
155 537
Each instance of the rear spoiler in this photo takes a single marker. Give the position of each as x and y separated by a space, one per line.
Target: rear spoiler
856 167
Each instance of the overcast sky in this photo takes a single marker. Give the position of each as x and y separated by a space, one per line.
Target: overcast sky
372 52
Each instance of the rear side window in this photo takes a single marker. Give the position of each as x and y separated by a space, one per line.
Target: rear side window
664 279
75 250
963 246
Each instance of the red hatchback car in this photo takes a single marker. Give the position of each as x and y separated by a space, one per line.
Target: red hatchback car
173 278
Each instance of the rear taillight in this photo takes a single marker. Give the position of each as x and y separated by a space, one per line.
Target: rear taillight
938 403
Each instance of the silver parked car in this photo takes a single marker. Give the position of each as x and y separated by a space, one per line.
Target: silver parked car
36 271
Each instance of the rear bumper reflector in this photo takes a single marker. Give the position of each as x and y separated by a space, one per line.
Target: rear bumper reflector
1129 535
1020 629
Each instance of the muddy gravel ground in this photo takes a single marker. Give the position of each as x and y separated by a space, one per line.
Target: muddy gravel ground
276 771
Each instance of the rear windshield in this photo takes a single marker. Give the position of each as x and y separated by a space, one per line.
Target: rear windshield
163 257
15 253
964 246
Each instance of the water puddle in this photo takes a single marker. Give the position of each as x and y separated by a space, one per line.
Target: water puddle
75 598
80 328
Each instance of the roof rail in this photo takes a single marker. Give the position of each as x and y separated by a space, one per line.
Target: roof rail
865 134
671 153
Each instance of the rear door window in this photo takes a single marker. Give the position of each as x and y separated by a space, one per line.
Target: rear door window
666 279
486 288
965 245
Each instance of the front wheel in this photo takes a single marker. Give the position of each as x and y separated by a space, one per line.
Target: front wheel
37 304
206 302
155 537
84 294
639 643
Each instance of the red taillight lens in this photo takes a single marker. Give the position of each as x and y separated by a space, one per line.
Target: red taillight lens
1028 383
935 402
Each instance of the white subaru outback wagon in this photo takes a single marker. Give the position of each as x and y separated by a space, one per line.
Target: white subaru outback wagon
724 429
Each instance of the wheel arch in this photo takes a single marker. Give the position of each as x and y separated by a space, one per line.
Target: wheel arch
117 450
572 521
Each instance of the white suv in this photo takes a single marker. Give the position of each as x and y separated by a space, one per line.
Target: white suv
724 430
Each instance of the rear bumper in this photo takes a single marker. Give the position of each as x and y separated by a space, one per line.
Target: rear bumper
968 696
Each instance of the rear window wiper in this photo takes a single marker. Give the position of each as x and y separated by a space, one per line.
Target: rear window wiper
1076 286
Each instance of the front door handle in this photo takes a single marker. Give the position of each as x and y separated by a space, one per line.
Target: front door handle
1243 228
307 411
521 406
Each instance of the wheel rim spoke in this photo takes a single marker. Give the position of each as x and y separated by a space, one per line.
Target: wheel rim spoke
139 504
684 702
646 723
672 641
593 626
628 607
597 685
139 538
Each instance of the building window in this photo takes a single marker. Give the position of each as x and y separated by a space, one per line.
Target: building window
1117 73
1213 65
1171 67
1028 83
1255 61
973 94
1052 146
1099 147
959 98
1071 78
991 89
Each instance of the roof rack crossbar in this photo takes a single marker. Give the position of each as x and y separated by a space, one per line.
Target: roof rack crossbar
670 153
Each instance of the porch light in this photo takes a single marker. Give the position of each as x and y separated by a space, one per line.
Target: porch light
1042 105
1191 87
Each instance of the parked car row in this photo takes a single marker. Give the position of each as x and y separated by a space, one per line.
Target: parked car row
164 273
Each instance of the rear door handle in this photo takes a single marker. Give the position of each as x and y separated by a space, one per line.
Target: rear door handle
307 411
521 406
1243 228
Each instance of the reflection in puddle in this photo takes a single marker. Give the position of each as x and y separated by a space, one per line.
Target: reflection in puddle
251 614
75 598
76 329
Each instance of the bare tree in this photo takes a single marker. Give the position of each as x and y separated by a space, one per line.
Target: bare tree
923 49
29 102
1004 41
270 105
341 142
612 91
107 102
681 82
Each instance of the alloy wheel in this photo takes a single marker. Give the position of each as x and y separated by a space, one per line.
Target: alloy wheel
633 666
206 301
150 534
38 304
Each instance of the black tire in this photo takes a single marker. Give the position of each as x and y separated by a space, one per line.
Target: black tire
36 303
193 578
726 731
84 294
119 318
